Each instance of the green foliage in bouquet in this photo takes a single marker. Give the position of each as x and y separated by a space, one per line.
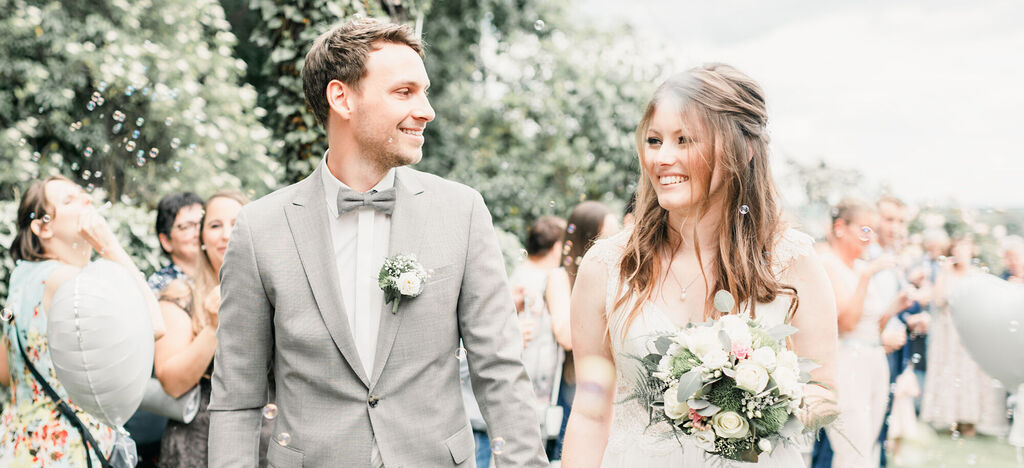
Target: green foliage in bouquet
771 420
725 396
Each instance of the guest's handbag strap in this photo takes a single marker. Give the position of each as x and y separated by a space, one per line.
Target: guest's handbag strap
556 381
64 408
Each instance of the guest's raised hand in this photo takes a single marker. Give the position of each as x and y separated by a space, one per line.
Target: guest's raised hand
95 230
212 306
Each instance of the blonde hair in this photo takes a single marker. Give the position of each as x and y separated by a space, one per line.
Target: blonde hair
729 106
206 277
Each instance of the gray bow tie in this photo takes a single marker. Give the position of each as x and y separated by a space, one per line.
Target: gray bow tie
383 201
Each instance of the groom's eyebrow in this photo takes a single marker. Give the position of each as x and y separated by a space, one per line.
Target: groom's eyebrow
412 83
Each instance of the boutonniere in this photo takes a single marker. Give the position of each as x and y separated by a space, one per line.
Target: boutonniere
401 276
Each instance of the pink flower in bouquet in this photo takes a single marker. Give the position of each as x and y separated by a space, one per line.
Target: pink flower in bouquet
741 351
698 420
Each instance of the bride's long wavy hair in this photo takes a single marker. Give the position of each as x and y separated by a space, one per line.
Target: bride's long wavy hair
729 109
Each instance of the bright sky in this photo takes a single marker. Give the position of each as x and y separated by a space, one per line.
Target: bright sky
926 95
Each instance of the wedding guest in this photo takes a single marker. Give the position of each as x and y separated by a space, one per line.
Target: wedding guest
177 227
184 356
543 252
862 376
1013 259
589 221
958 395
58 230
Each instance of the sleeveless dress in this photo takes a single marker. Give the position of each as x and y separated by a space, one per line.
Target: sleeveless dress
186 445
631 442
862 378
33 433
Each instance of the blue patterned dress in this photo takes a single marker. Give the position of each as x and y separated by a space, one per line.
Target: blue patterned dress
33 433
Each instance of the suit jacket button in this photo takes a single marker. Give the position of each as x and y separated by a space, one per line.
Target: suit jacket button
373 401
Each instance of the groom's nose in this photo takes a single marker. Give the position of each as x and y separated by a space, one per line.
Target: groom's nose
423 111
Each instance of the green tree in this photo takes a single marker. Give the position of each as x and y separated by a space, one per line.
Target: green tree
542 119
281 33
130 99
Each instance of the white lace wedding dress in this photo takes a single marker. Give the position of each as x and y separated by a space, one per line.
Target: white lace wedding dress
631 442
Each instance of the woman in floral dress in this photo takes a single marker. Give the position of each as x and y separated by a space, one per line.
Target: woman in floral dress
58 230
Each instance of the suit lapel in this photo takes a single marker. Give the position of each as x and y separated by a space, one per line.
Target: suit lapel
308 221
407 222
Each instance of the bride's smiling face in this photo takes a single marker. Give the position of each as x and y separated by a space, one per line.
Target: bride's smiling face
677 158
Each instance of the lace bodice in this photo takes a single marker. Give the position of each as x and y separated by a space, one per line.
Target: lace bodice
629 432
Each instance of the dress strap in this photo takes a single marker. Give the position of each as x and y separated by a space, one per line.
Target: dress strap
792 244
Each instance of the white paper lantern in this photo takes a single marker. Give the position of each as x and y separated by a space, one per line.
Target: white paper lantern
101 341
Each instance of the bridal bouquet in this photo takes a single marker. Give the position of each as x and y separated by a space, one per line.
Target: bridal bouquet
729 385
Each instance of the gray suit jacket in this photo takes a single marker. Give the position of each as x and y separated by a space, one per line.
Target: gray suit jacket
282 309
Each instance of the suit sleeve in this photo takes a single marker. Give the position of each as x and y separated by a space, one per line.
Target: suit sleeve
490 332
242 361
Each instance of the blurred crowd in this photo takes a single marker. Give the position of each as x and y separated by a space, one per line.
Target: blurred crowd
900 359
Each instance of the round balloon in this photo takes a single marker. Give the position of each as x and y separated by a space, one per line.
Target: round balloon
988 313
101 341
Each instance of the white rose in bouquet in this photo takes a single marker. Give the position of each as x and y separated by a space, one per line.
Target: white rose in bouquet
788 359
764 356
751 376
788 381
409 283
715 359
736 327
674 408
703 340
730 425
705 440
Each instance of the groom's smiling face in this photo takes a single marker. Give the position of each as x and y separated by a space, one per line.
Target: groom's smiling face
391 110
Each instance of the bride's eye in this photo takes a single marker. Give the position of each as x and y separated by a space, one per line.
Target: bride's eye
685 140
651 141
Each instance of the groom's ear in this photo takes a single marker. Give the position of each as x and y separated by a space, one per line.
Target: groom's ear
338 95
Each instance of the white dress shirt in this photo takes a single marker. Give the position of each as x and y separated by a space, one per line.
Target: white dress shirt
360 239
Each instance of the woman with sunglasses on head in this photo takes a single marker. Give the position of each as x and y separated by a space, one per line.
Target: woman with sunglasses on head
58 231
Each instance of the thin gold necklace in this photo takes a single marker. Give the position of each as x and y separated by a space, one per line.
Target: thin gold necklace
682 293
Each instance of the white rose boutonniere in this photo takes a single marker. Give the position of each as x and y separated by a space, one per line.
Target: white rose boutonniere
401 276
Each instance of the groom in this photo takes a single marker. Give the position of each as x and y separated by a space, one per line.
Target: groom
357 384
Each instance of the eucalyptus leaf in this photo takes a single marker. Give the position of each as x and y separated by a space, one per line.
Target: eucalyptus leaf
781 331
729 372
698 404
689 383
724 302
709 411
792 428
726 341
808 364
662 344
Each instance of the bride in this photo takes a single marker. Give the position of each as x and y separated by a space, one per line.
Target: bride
708 219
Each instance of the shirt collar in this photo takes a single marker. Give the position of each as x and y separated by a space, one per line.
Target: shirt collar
332 184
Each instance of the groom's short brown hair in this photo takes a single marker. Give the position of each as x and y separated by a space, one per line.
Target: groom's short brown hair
340 54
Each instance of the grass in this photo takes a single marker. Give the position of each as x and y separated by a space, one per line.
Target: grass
941 450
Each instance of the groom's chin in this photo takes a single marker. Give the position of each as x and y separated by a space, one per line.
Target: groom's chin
412 158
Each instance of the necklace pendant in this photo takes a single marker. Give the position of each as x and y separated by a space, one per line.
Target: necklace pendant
682 295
